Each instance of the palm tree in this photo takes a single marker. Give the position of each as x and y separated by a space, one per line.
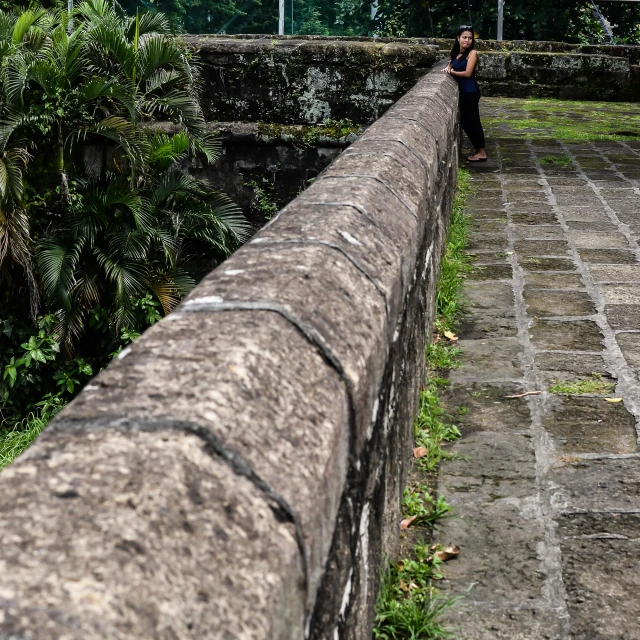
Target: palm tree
103 202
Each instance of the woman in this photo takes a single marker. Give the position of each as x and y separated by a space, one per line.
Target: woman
464 60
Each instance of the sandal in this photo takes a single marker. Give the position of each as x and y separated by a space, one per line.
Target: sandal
477 159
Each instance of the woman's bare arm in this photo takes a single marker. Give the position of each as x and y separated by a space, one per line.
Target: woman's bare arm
472 61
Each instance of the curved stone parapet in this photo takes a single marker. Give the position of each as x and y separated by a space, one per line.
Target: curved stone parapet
237 472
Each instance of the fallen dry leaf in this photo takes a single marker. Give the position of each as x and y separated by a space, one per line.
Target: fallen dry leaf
450 336
526 393
448 554
420 452
406 523
613 399
403 586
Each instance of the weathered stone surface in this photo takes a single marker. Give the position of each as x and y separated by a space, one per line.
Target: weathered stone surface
546 487
136 533
250 450
303 80
543 302
590 425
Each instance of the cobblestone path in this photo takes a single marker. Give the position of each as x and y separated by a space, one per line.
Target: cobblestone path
548 488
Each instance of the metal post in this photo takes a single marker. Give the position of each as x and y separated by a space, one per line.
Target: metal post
69 10
281 19
500 18
291 17
374 9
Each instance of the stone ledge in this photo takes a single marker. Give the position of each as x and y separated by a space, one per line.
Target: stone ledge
238 471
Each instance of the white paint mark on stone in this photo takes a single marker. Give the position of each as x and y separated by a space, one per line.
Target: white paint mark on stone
364 546
233 272
205 300
124 353
349 238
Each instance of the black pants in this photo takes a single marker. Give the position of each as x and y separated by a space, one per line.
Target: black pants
470 118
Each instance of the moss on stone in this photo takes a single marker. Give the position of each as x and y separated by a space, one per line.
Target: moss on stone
564 120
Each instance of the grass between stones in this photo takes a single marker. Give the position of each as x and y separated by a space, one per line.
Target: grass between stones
596 384
409 605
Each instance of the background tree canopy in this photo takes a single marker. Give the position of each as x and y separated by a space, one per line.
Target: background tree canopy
560 20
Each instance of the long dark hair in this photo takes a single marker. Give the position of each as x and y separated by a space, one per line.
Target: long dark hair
455 52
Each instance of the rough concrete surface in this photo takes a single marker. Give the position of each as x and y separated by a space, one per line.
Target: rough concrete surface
238 471
547 486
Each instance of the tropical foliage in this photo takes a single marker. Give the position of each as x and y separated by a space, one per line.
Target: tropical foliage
565 20
102 230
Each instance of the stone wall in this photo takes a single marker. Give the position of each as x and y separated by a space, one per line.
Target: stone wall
263 167
237 472
306 80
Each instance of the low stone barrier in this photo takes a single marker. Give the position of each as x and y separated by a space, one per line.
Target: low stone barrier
307 79
238 471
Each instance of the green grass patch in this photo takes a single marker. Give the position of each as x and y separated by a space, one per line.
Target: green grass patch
561 161
418 501
432 428
14 441
564 120
456 264
595 384
409 606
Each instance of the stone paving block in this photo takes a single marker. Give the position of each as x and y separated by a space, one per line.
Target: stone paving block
620 293
590 425
491 272
608 256
534 218
623 316
531 207
630 346
486 258
554 367
535 196
615 272
523 187
598 240
486 407
628 217
552 280
538 232
566 182
584 214
591 225
541 247
490 225
495 622
542 303
490 311
602 582
483 203
570 335
507 569
490 359
606 485
547 264
487 242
